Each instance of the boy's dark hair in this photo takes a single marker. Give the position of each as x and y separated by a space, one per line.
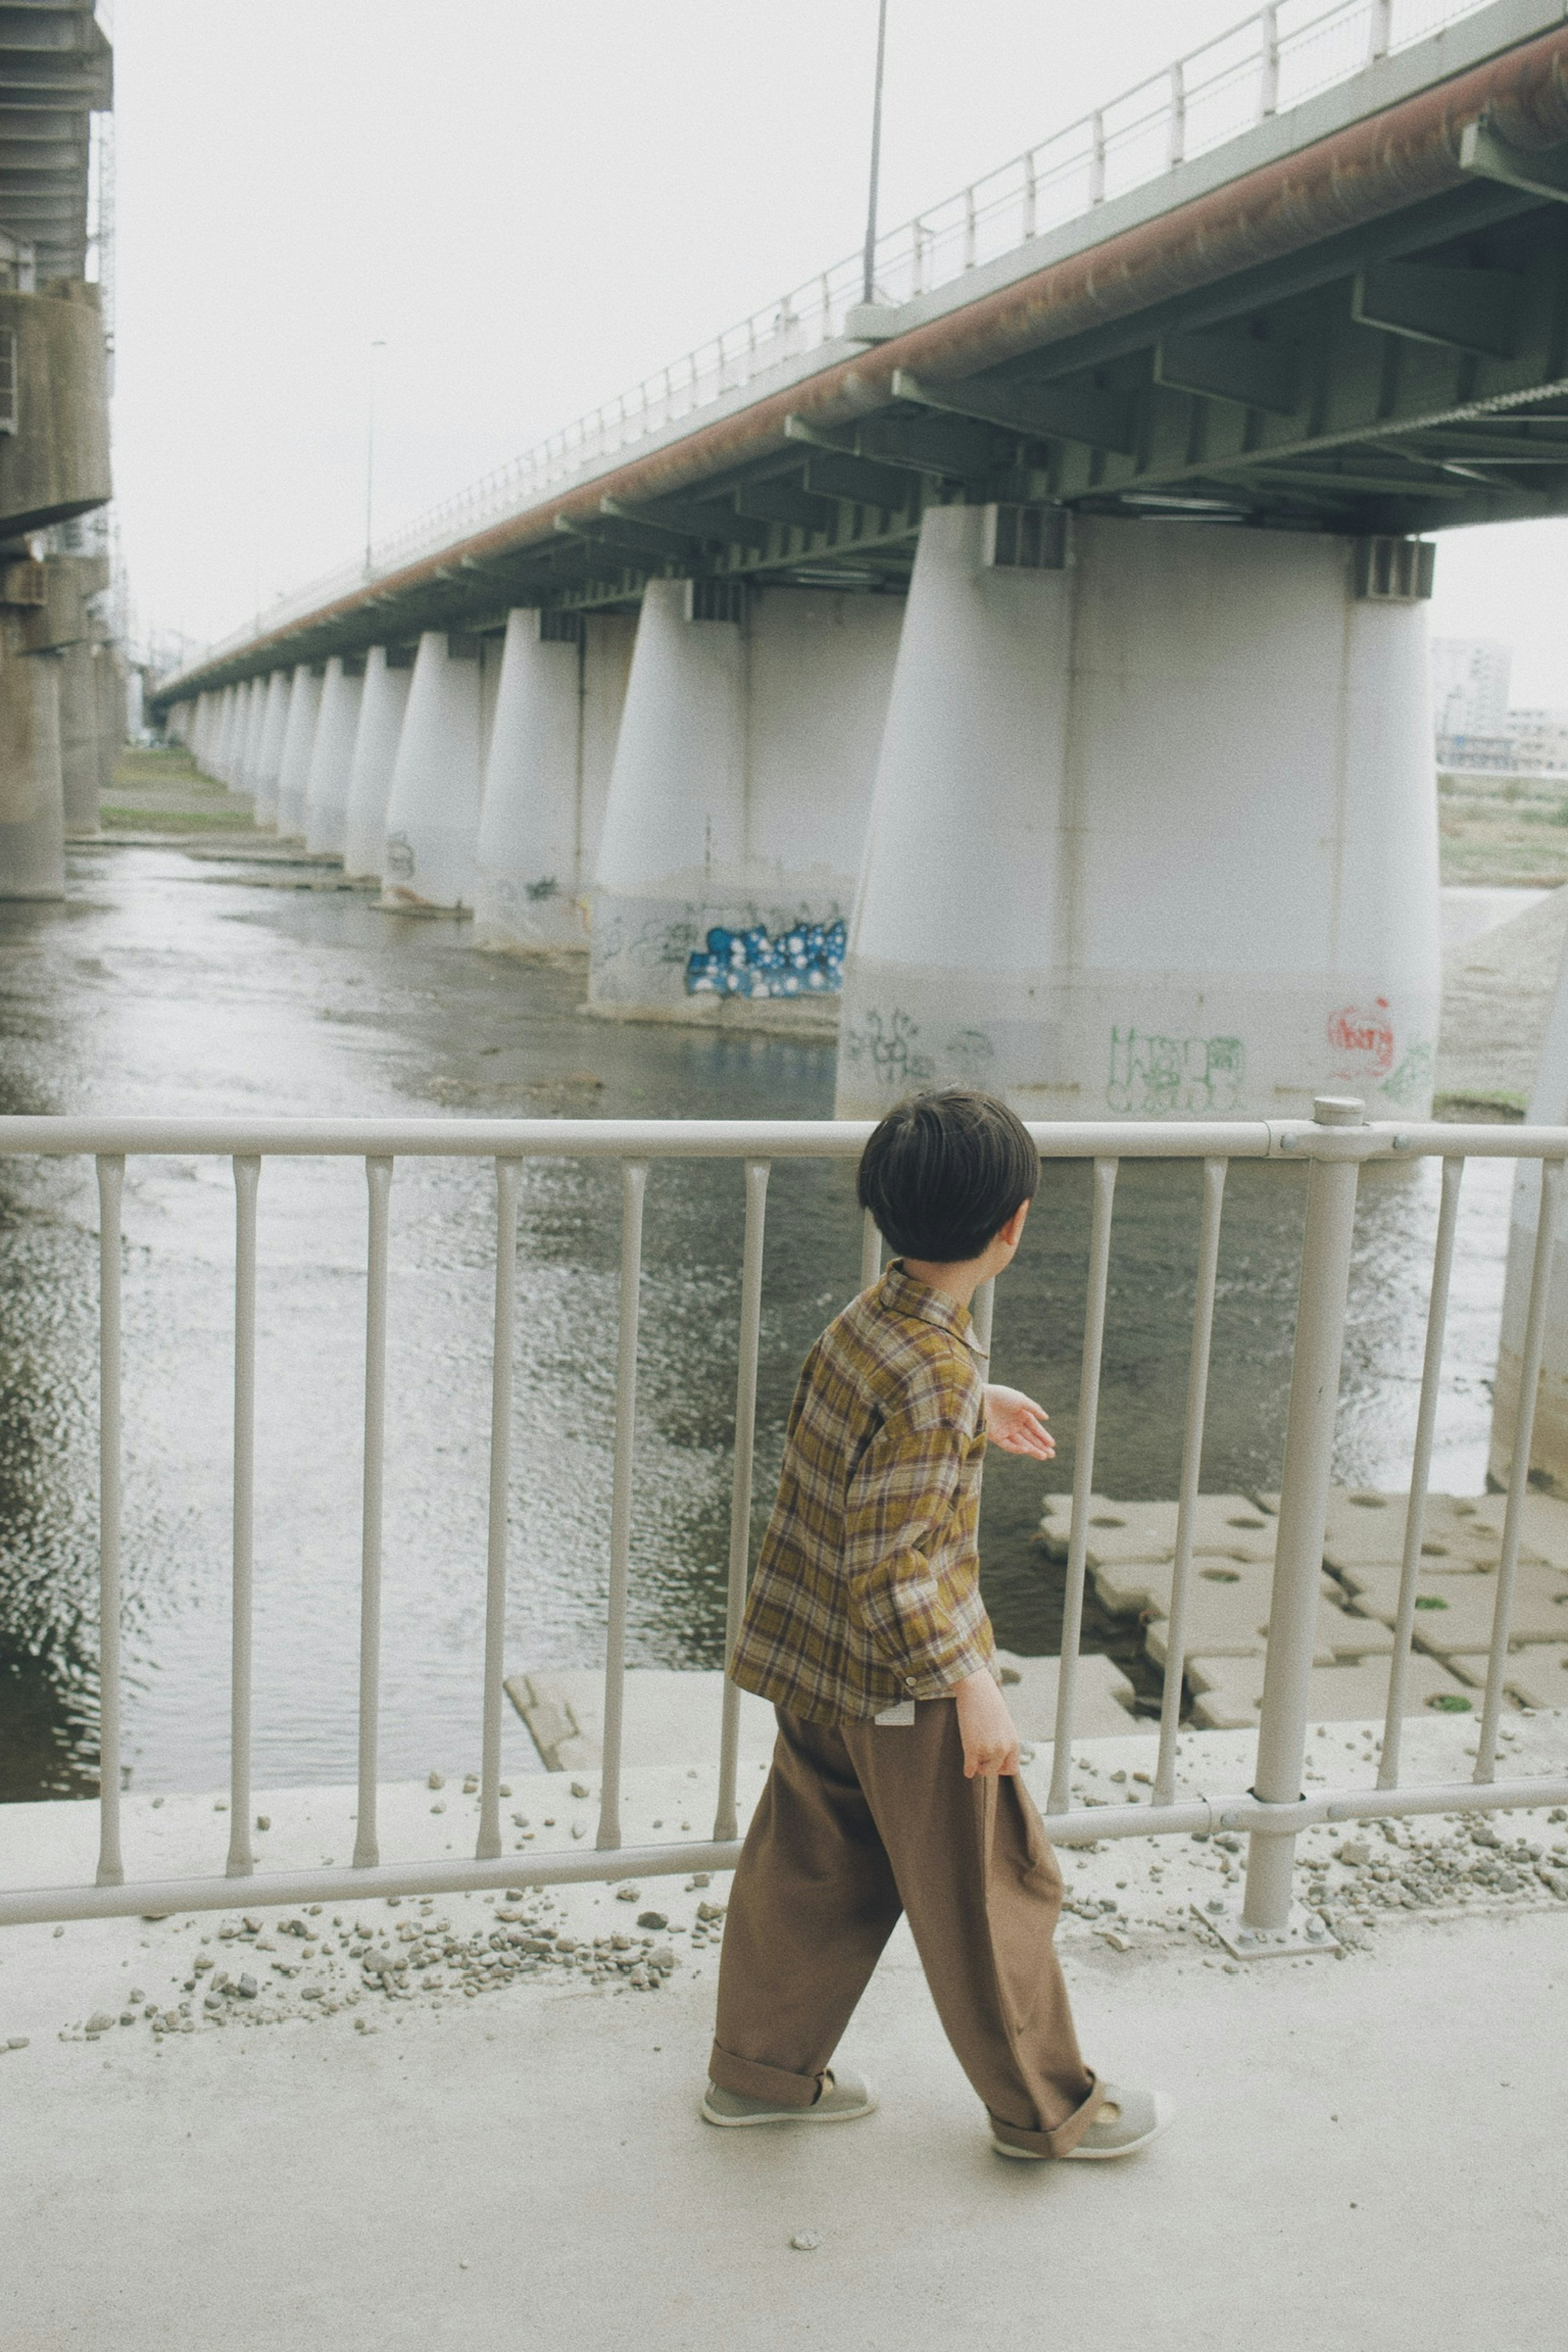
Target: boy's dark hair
942 1174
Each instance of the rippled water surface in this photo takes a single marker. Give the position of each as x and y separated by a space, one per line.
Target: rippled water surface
167 984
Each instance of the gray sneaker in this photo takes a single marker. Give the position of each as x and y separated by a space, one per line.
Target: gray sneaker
843 2097
1127 2121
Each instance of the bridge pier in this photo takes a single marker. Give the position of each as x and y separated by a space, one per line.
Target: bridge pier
299 738
1155 831
332 755
32 786
741 785
383 702
433 806
269 757
228 729
250 750
558 704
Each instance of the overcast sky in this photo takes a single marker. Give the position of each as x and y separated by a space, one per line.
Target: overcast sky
534 203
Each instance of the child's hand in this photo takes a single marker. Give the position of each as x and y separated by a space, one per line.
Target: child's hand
1018 1424
985 1728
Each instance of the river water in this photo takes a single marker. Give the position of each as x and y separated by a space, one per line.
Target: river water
172 984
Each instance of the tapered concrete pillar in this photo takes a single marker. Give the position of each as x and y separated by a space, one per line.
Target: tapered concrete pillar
227 724
255 720
81 725
1153 834
202 730
177 725
299 741
433 808
383 703
1549 1439
32 793
331 756
269 758
562 687
741 787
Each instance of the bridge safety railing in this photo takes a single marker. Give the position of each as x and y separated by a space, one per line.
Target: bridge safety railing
1275 61
1273 1808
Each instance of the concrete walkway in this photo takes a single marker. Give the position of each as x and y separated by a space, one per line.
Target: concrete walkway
1369 2150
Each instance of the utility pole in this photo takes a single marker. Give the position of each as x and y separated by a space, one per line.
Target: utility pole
868 274
378 345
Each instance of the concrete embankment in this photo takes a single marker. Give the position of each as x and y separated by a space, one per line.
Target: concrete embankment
511 2158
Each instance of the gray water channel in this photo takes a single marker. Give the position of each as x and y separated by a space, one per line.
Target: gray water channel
172 984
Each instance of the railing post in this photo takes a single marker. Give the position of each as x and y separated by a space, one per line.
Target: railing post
111 1193
1097 159
1178 146
1269 67
1380 33
247 1178
1303 1513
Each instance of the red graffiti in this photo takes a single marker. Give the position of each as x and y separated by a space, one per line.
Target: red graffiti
1367 1035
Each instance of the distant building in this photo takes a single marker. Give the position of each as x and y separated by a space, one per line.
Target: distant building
1537 742
1469 686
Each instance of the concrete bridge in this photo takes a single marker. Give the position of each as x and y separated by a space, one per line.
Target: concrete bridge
1055 623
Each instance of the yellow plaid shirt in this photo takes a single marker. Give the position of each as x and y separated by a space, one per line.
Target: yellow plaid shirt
867 1589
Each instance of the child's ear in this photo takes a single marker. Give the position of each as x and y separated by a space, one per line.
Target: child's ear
1012 1231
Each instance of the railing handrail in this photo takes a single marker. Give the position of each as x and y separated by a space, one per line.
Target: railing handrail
61 1135
1333 1142
1128 141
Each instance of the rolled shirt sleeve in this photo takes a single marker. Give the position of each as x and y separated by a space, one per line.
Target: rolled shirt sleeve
901 1499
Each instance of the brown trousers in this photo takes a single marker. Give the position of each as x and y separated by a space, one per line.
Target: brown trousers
857 1822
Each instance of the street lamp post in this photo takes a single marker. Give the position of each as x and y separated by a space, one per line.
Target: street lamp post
868 273
378 345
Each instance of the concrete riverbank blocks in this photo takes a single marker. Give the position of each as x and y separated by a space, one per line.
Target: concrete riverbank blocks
1536 1676
1229 1524
669 1717
1229 1692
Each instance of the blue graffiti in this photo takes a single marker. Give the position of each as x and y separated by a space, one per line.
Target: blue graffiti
805 961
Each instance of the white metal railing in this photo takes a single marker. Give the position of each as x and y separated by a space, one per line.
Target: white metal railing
1277 59
1273 1810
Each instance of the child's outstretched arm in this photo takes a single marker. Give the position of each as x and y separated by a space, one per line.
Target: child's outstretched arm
1018 1424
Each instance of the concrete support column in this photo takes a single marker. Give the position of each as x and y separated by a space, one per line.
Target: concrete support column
254 719
201 729
269 757
1153 834
433 808
227 718
532 859
32 791
299 739
82 725
331 756
383 703
741 785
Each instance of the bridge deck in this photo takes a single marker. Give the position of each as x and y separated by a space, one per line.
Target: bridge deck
1352 318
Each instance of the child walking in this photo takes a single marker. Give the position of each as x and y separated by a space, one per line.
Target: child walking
893 1785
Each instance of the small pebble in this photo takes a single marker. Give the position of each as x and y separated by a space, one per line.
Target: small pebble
264 1820
806 2241
580 1788
652 1919
436 1781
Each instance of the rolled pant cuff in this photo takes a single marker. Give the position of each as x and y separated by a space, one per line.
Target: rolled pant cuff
750 2079
1063 2137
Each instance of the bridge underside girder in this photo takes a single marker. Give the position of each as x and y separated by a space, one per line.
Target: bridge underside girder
1371 346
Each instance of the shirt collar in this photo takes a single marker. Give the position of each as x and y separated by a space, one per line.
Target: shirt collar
903 1293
